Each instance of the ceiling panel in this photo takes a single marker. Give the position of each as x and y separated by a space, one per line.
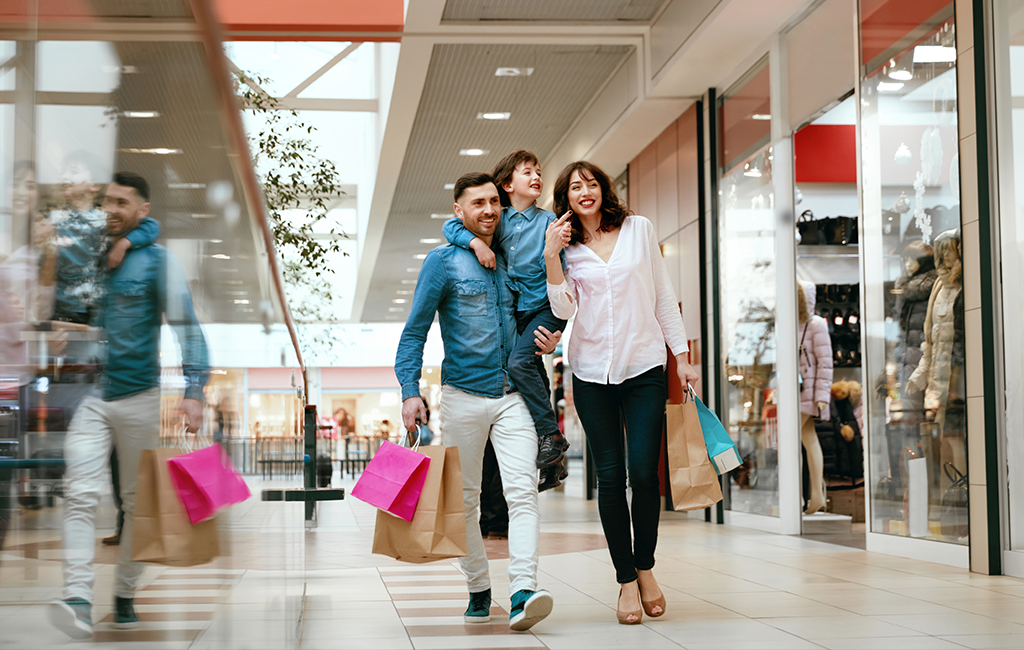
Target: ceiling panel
461 83
552 10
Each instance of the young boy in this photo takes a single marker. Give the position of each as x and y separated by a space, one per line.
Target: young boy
520 237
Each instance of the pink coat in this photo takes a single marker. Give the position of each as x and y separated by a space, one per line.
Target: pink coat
815 359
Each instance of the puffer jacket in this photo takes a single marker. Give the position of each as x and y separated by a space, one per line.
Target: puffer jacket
911 309
815 358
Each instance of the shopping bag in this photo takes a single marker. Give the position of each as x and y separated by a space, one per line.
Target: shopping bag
721 449
161 531
206 481
393 480
438 529
694 481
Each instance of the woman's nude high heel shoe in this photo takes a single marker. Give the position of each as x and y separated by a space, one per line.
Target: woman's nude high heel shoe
649 606
624 616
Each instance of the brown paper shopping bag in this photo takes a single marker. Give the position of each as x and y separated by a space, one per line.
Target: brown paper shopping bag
692 476
162 533
438 528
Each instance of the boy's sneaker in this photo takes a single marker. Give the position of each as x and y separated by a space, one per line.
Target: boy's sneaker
529 608
72 617
479 608
552 477
124 613
551 449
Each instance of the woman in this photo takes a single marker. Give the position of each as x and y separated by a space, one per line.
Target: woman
616 281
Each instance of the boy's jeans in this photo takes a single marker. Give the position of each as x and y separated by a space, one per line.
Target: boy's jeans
527 370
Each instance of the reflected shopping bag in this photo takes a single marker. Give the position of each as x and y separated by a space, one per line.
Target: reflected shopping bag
438 529
393 480
721 449
695 484
206 481
161 530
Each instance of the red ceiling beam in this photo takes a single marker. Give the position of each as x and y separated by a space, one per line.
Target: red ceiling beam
310 20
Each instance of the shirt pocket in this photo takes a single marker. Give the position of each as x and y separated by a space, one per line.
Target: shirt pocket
128 300
471 298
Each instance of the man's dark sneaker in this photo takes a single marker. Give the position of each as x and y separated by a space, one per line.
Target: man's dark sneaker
124 613
529 608
72 617
479 608
552 477
551 450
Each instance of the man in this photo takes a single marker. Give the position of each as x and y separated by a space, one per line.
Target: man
149 285
478 400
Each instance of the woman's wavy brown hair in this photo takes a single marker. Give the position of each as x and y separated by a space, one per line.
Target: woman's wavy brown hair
613 211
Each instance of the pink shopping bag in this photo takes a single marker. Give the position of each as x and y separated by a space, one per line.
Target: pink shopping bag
393 480
206 481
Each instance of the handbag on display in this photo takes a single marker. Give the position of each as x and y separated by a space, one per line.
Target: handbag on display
840 231
953 518
438 528
393 480
811 230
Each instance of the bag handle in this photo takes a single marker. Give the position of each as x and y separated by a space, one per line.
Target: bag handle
959 475
408 436
807 215
689 393
183 438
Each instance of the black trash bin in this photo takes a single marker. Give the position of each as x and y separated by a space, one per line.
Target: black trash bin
324 469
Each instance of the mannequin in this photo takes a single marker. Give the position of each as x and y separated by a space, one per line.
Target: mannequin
815 349
940 372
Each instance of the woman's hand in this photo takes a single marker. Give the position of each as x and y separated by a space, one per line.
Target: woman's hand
558 235
687 374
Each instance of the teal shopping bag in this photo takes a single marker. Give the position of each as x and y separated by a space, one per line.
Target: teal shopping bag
721 449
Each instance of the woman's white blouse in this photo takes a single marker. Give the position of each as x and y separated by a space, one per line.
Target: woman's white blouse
627 309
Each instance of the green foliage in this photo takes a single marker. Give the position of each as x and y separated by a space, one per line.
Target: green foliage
299 187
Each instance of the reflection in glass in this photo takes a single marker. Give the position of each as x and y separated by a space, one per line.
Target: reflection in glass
914 295
747 253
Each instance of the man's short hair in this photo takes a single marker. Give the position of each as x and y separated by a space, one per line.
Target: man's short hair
502 172
472 179
133 180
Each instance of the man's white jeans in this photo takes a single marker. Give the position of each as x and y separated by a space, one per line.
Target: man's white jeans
132 424
466 422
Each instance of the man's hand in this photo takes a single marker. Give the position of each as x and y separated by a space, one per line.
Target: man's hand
545 340
413 411
484 254
117 252
193 410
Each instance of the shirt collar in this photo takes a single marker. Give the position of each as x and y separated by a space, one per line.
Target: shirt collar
529 213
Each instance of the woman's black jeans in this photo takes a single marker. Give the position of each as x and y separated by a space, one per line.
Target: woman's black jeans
639 404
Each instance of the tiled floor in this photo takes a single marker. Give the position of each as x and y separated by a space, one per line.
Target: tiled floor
279 586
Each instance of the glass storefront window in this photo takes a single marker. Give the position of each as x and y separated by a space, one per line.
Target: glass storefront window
747 262
914 311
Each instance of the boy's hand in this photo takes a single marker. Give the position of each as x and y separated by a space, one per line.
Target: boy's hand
484 254
545 340
558 235
117 252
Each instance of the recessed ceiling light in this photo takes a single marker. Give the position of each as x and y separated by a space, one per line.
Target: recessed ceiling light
186 186
161 151
513 72
471 152
399 301
431 240
216 241
141 114
493 116
761 116
408 281
203 215
242 302
404 292
437 215
231 282
221 256
885 86
421 256
396 308
934 54
449 186
412 270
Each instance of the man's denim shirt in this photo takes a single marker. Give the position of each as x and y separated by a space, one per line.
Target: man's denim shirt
150 284
474 307
520 237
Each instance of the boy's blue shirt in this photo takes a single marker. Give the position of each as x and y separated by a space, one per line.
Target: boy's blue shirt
520 236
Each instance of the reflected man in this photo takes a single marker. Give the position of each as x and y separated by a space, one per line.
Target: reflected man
150 284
